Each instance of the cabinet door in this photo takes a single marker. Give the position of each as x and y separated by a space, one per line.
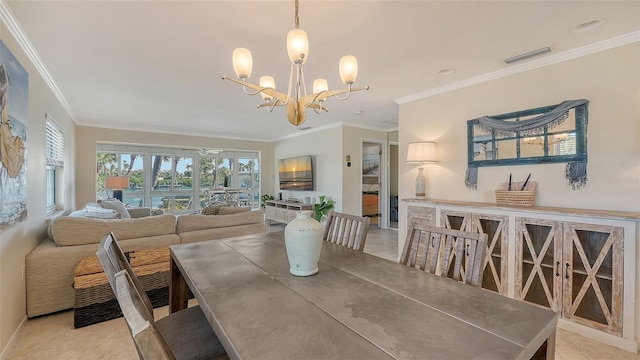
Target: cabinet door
593 284
456 220
496 227
538 260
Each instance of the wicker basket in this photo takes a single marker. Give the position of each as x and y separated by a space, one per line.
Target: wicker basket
515 198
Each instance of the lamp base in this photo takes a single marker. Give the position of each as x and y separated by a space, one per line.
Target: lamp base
117 194
421 184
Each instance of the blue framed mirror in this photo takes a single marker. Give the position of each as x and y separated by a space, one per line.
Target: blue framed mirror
549 134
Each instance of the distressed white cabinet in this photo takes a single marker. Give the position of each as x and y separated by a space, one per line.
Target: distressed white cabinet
283 211
496 227
580 263
573 268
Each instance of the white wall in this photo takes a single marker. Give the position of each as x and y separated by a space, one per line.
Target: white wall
608 79
17 241
88 137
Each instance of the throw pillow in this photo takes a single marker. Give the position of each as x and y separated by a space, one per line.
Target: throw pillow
117 205
100 213
233 210
212 209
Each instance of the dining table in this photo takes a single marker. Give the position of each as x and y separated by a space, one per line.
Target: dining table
358 306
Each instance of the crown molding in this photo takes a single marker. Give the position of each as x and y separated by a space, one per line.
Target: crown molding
14 27
534 64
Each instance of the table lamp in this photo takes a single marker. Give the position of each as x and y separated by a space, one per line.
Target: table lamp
422 152
116 183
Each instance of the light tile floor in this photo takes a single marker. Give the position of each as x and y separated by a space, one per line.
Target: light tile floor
53 337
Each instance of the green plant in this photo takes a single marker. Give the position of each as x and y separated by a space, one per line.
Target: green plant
323 207
264 198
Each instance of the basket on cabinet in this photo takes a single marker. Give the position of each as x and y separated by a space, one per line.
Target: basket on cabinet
517 198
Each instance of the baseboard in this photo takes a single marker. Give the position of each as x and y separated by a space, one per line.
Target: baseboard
609 339
13 339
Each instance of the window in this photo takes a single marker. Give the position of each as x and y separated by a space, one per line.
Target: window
54 153
177 180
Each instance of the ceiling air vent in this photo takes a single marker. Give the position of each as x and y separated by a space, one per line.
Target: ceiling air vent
527 55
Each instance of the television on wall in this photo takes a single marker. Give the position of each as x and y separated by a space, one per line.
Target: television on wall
296 173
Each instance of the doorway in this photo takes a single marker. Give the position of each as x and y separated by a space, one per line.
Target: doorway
372 165
393 185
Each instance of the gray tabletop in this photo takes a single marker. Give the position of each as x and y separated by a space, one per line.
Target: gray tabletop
358 306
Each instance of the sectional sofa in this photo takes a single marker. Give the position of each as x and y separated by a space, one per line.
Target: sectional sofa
50 266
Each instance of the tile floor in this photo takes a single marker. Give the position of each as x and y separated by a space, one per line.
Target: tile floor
53 336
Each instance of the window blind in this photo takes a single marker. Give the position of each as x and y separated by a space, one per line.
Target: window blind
54 143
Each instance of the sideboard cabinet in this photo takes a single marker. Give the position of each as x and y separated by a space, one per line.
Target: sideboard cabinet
579 263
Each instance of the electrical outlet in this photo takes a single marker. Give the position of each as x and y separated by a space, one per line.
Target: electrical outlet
24 273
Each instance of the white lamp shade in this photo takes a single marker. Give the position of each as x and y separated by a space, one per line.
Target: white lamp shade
348 69
267 82
297 46
320 85
422 152
242 62
116 182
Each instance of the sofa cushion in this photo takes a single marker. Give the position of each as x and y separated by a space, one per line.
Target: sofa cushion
117 205
188 223
77 230
233 210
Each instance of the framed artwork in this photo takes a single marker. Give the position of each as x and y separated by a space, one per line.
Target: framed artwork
14 93
371 164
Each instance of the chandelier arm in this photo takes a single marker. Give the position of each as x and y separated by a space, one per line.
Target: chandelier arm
346 97
259 89
321 96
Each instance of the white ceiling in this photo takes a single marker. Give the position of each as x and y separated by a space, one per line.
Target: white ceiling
156 65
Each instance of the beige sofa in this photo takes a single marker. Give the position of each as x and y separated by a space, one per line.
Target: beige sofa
51 264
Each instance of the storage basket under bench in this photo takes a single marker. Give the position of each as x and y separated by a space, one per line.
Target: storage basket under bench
94 298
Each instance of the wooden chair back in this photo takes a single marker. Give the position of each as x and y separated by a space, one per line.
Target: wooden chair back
114 260
147 338
346 230
457 254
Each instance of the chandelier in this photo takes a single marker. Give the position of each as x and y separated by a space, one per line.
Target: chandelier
296 99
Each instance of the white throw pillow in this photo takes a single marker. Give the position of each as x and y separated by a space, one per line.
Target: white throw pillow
117 205
100 213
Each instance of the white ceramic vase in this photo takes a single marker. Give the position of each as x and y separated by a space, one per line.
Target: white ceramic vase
303 240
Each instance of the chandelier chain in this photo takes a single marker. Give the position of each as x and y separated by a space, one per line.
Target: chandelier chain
297 20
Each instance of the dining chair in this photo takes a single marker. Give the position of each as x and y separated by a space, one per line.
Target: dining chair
146 336
346 230
457 254
187 333
231 197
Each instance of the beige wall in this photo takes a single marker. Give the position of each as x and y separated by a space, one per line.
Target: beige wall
88 138
17 241
324 147
352 179
329 148
608 79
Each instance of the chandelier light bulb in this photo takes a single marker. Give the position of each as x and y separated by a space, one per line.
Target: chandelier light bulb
348 69
242 62
297 46
267 82
320 85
